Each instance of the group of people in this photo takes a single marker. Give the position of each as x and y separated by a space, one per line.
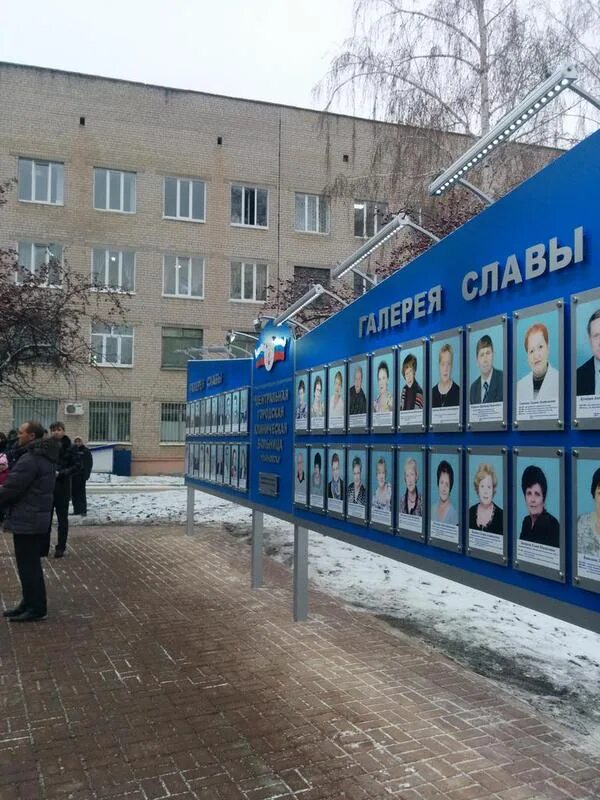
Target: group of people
40 472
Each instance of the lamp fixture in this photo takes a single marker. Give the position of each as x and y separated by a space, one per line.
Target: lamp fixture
535 101
307 298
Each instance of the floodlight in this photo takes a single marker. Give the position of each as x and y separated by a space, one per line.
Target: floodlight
307 298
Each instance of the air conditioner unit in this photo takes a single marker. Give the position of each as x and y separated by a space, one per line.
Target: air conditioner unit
73 409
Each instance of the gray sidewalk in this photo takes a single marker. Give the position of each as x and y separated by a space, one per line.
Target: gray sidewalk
160 674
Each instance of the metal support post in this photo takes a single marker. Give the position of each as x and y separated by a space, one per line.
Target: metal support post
191 492
300 574
257 549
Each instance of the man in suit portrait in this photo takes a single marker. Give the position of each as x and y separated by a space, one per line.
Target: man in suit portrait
488 387
588 374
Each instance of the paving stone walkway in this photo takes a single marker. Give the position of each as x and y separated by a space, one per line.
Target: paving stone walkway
160 674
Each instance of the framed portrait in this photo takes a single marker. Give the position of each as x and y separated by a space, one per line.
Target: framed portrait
380 484
383 382
196 423
301 401
411 505
585 358
194 455
202 429
233 470
538 353
445 497
243 468
214 425
228 397
336 400
219 463
212 475
357 482
200 460
446 381
538 511
235 412
227 464
357 398
221 413
187 462
300 476
244 409
188 419
317 478
412 386
317 400
208 412
206 473
336 483
486 503
487 376
585 493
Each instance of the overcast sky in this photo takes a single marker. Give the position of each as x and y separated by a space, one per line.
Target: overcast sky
272 50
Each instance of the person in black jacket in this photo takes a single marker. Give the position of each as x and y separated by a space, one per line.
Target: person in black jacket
27 496
80 478
67 465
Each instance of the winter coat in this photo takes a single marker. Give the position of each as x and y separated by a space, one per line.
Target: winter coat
86 461
28 493
68 464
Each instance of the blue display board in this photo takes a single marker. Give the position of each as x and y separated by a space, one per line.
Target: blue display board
523 264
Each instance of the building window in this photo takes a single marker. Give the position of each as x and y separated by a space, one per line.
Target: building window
248 281
304 277
249 206
183 277
179 345
172 423
312 213
368 218
112 345
34 408
113 269
114 190
41 181
43 260
110 421
184 199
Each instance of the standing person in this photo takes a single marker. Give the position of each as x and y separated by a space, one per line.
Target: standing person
81 477
27 497
3 442
3 477
67 465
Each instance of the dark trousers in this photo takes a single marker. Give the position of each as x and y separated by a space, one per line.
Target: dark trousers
62 496
28 551
78 495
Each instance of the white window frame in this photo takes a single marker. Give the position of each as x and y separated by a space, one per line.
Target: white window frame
320 198
248 188
119 336
105 286
111 407
121 172
47 246
244 265
188 295
178 216
376 206
53 166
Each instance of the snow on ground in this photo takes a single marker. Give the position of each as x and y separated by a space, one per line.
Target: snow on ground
551 664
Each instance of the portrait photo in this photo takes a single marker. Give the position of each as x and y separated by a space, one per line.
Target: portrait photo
410 482
203 416
188 418
382 398
445 380
243 468
486 502
208 411
317 478
538 496
301 401
244 410
195 461
228 412
358 393
317 400
221 412
336 420
486 374
585 317
411 386
213 463
233 471
445 497
227 464
200 454
586 532
206 473
214 406
336 485
200 416
356 483
300 479
382 476
219 463
235 412
537 361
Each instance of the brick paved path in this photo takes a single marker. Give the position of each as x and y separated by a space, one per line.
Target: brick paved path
159 673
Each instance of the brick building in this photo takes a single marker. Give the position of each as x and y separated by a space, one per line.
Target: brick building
194 203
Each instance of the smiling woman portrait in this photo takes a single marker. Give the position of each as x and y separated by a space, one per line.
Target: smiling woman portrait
542 382
538 525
